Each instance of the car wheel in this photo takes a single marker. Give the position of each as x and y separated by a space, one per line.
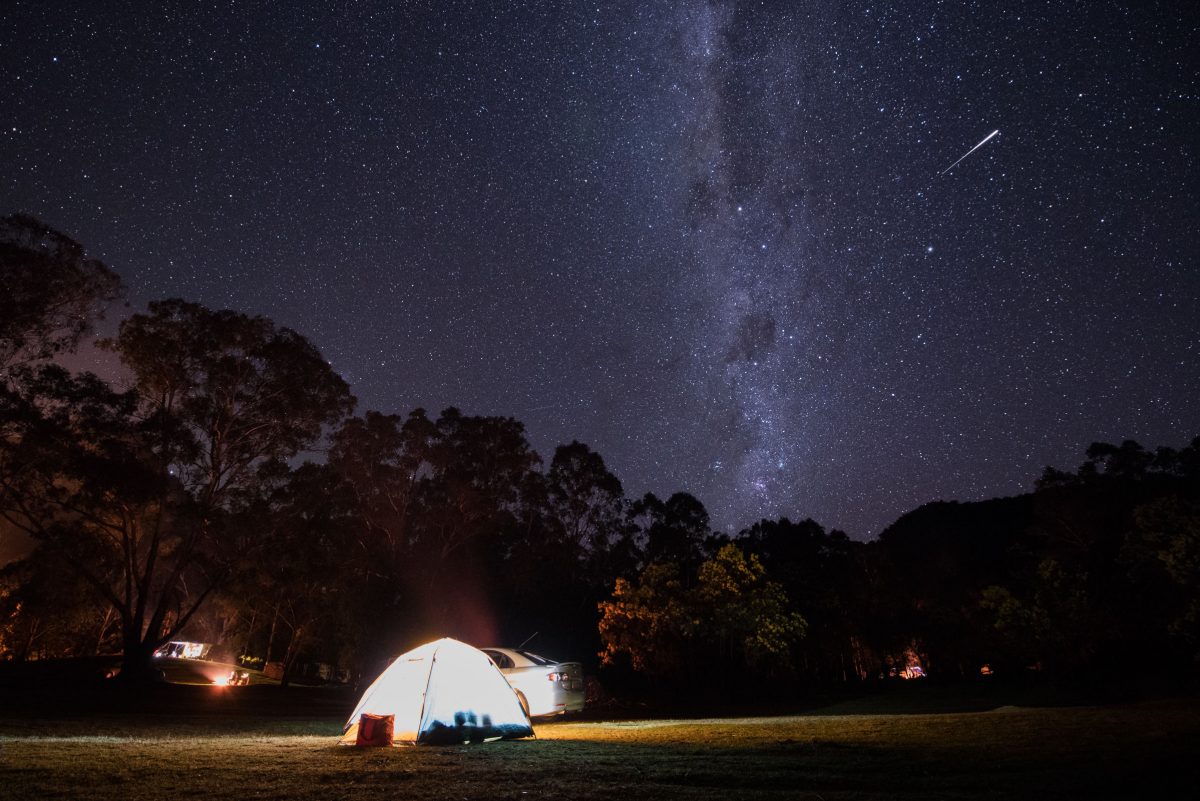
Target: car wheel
524 702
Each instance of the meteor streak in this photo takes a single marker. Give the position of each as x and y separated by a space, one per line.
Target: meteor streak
972 150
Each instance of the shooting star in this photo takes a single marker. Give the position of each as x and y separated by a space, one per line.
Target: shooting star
972 150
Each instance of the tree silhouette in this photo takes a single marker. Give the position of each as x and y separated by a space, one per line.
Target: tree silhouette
52 291
137 490
676 530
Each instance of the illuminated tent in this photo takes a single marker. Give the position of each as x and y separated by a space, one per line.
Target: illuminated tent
442 693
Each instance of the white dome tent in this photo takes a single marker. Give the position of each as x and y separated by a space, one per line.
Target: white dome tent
442 693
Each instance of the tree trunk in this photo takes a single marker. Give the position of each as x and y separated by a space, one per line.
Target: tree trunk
289 656
271 636
24 651
246 645
108 616
137 661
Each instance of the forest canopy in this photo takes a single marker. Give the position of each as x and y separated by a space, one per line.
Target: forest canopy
192 502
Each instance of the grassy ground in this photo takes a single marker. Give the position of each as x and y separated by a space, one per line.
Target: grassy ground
1136 751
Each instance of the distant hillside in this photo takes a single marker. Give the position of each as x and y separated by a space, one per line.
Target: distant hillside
976 526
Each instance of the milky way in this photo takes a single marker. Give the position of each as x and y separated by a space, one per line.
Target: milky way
750 265
709 239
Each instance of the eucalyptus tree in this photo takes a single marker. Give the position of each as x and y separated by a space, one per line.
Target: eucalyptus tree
51 291
139 491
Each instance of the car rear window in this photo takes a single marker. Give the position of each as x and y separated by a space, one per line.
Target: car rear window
535 659
501 660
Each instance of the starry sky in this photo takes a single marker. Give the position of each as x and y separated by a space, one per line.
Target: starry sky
713 240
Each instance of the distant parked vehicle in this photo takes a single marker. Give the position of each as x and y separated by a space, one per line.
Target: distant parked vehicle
179 649
544 686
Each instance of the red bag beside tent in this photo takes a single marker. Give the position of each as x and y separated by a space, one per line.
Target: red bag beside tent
375 730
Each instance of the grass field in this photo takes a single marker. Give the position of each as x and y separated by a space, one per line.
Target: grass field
1137 751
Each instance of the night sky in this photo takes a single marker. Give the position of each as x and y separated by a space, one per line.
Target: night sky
711 240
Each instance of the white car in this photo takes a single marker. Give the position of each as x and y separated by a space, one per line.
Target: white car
544 686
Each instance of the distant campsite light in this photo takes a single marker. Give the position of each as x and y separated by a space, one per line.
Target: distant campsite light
180 649
234 678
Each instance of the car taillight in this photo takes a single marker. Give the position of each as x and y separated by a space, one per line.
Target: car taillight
555 676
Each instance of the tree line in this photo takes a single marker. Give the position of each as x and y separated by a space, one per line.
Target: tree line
226 491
